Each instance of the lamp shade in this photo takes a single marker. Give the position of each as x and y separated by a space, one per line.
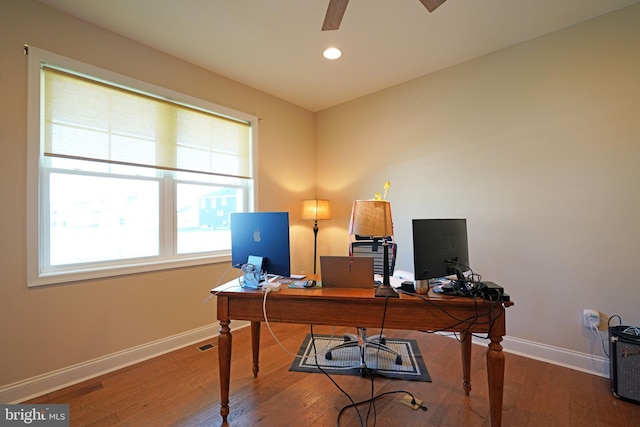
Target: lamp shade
316 209
371 218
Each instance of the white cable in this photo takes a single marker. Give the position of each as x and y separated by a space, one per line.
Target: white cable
632 330
594 330
249 272
266 321
598 335
212 294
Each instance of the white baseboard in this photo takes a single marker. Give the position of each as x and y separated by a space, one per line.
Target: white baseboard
596 365
584 362
51 381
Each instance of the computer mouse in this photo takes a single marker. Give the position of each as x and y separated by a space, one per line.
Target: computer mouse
309 283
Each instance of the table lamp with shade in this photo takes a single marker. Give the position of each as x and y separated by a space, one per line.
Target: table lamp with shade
373 218
315 209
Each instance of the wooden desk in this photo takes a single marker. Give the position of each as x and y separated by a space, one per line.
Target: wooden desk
359 307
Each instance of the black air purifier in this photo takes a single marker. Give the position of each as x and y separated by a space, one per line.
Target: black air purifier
624 362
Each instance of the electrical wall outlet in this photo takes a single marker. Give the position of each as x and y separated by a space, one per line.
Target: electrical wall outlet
590 318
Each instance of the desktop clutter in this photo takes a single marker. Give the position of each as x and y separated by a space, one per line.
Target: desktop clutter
359 274
253 276
466 287
260 248
452 285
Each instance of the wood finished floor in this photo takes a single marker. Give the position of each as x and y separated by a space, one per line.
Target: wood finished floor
181 389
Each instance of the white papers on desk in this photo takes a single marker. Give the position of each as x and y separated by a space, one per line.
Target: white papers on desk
396 280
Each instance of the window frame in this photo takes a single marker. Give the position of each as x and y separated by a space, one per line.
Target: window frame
169 180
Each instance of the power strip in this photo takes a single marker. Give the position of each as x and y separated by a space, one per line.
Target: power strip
271 287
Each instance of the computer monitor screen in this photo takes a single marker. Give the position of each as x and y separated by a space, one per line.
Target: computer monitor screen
439 247
263 234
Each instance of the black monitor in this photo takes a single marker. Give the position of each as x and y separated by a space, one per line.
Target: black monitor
439 248
263 234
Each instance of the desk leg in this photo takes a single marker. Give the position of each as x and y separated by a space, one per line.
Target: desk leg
224 364
255 346
465 347
495 373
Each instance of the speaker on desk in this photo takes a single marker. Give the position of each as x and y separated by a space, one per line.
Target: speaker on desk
624 362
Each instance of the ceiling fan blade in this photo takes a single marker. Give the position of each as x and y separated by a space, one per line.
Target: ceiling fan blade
334 15
432 5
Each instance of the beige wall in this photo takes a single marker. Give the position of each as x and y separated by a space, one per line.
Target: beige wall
537 146
45 329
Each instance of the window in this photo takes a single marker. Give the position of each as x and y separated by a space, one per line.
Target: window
127 177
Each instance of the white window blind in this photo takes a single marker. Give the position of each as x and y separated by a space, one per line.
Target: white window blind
89 120
125 177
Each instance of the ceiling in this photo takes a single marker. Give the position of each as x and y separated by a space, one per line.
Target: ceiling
276 45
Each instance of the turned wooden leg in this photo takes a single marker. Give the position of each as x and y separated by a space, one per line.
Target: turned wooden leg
465 347
495 373
224 364
255 346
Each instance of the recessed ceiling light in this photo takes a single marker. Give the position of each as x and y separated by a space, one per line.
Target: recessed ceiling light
332 53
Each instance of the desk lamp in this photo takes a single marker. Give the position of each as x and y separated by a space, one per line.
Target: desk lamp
373 218
315 209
